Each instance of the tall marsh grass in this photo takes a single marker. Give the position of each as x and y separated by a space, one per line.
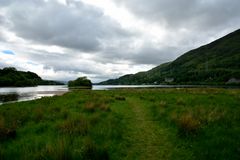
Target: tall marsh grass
74 126
6 132
188 125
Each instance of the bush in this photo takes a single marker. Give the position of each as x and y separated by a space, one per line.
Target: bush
59 150
120 98
188 125
6 132
78 126
93 106
92 152
90 107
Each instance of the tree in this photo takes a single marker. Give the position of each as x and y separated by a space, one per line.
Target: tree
80 82
9 69
9 76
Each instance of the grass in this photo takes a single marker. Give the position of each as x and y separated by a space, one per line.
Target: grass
124 124
188 125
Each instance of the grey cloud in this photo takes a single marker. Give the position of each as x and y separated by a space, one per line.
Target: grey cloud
74 65
75 25
2 20
4 3
62 62
2 38
2 65
191 14
147 54
156 56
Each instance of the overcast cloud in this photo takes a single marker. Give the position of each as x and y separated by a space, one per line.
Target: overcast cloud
62 40
187 14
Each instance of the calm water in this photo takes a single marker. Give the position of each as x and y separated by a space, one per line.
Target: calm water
15 94
109 87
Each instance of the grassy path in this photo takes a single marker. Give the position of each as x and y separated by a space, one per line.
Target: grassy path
147 139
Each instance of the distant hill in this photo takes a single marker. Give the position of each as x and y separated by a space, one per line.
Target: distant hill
214 63
9 77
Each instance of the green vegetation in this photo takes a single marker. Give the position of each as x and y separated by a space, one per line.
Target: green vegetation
124 124
215 63
9 76
82 82
8 97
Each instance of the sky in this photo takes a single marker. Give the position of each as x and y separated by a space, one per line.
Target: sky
103 39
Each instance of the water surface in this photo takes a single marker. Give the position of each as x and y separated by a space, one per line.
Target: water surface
15 94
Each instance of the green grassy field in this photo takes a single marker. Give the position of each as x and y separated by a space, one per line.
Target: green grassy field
134 124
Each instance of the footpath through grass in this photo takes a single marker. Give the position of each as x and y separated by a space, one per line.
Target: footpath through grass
130 124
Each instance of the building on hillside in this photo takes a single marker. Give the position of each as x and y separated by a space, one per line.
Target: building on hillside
233 80
169 80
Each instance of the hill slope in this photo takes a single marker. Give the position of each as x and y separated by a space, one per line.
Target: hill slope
11 77
214 63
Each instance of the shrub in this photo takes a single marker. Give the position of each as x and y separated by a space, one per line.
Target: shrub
6 132
56 109
38 114
92 152
64 114
188 125
90 107
120 98
162 104
78 126
93 106
207 116
104 107
60 150
180 101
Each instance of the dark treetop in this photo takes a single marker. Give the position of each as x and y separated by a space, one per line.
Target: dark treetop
80 82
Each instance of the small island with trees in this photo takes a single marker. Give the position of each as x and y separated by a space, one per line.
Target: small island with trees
81 82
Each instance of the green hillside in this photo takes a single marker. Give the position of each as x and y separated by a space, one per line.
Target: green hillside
9 76
214 63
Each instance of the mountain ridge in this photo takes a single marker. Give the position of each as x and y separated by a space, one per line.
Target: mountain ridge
215 63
